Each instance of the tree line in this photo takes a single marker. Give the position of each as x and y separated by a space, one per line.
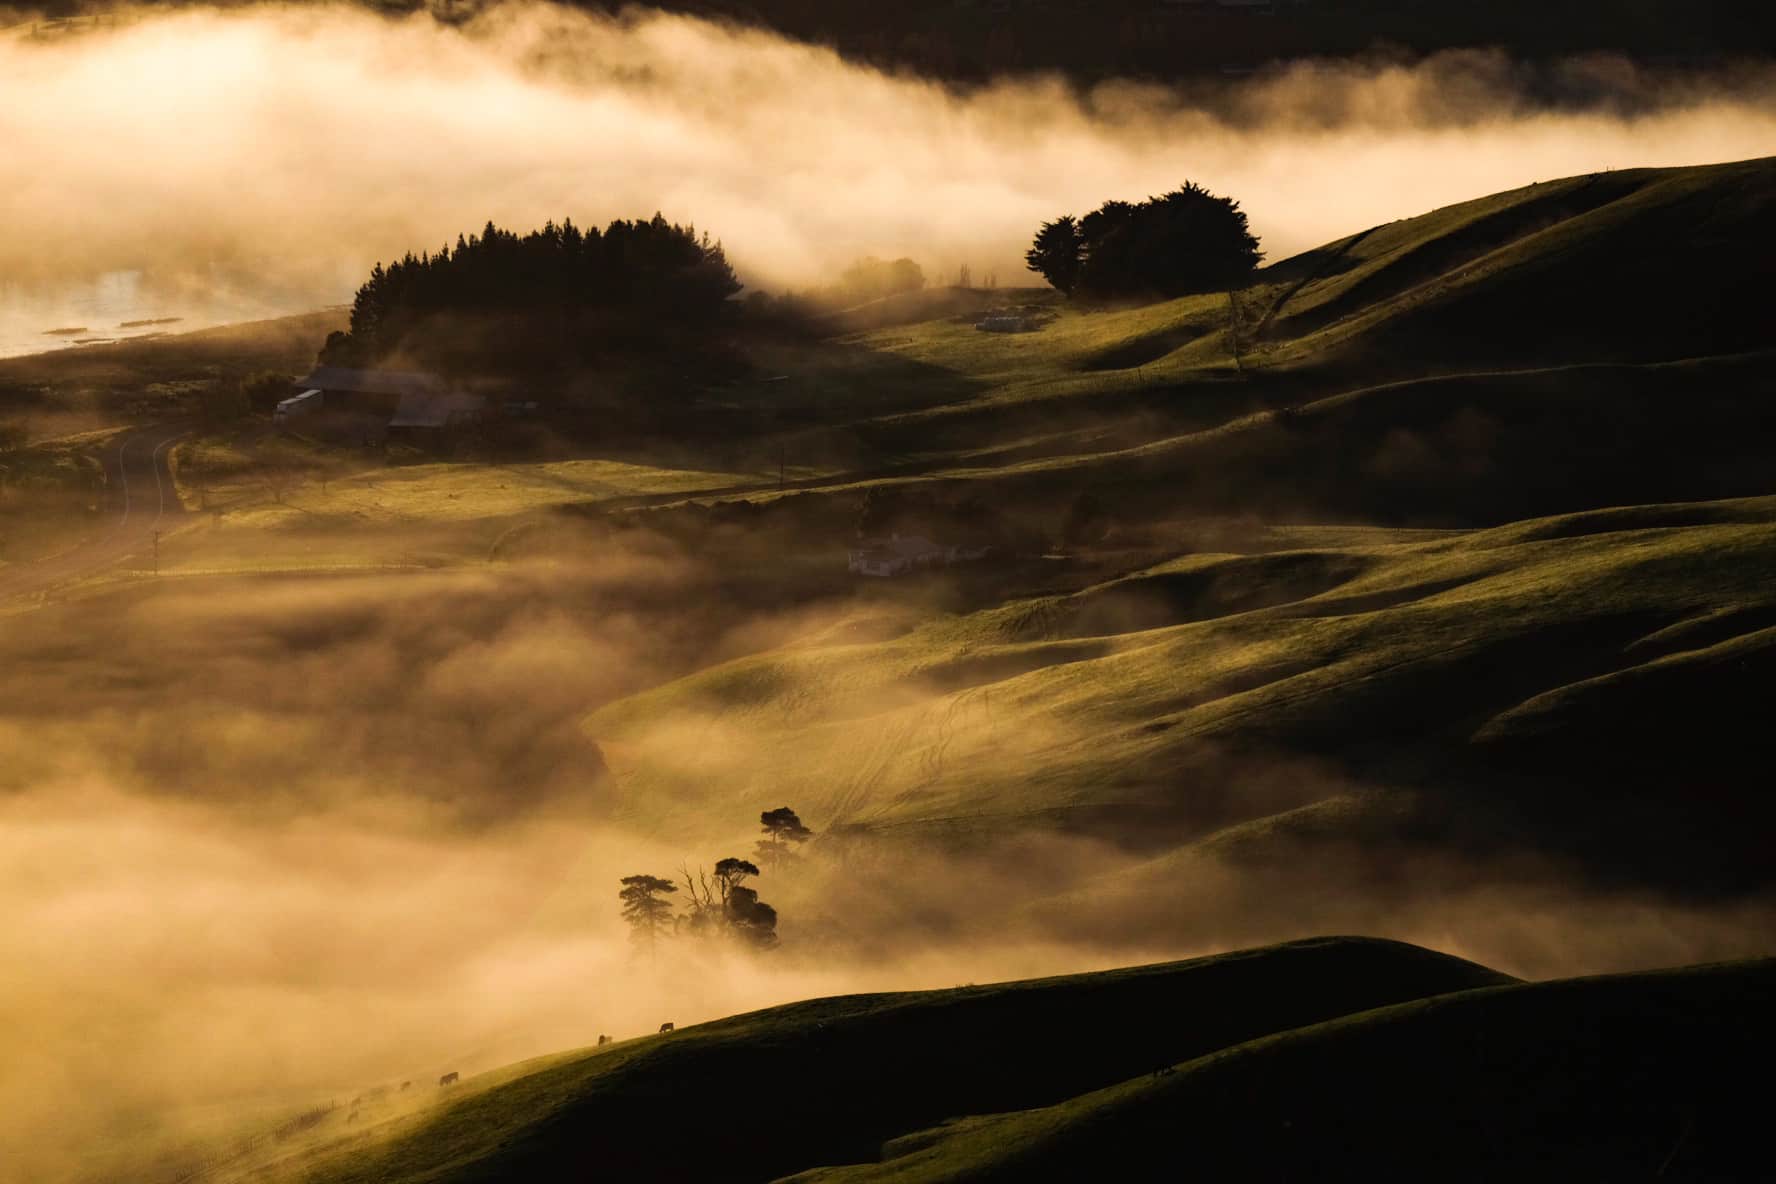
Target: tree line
567 293
1184 242
719 904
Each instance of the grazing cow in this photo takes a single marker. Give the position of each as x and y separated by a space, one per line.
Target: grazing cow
666 1027
447 1079
603 1040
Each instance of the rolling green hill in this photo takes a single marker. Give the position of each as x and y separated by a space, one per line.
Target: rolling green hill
1200 683
1464 667
829 1080
1577 344
1281 1063
1463 562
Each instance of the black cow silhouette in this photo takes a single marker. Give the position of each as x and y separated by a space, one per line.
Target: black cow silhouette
603 1040
666 1027
447 1079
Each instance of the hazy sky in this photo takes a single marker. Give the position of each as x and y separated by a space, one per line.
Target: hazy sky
282 150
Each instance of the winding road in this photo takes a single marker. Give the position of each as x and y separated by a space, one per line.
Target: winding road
141 501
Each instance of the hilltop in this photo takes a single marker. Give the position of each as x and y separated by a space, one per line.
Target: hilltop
1242 1063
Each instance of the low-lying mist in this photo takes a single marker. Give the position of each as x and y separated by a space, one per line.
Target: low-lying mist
270 840
277 151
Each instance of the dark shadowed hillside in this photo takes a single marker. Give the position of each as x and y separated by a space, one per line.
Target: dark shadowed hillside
1637 1077
828 1080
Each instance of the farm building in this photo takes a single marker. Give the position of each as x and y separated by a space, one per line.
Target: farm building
297 406
896 556
380 390
446 409
398 400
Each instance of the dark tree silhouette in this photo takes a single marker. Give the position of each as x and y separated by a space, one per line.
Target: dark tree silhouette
751 919
743 914
731 873
562 290
1185 242
1056 253
643 907
782 828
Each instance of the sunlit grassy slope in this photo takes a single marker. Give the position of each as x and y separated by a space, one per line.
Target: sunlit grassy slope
1595 560
1554 301
827 1081
1157 702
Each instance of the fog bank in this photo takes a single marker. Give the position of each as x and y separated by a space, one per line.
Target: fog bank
282 150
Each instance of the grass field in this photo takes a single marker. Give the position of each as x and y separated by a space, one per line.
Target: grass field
1457 571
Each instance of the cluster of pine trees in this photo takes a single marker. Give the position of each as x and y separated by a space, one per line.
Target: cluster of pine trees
1184 242
566 292
718 905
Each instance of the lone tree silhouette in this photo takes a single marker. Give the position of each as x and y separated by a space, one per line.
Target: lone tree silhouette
643 907
1185 242
782 828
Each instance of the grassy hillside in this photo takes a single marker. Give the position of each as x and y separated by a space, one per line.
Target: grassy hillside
1576 344
830 1079
1156 707
1634 1077
1282 1063
1461 561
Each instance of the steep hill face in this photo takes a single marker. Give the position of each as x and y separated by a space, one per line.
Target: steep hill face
1630 1077
1642 266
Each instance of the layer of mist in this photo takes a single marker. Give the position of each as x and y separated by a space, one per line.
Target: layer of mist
269 841
275 152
